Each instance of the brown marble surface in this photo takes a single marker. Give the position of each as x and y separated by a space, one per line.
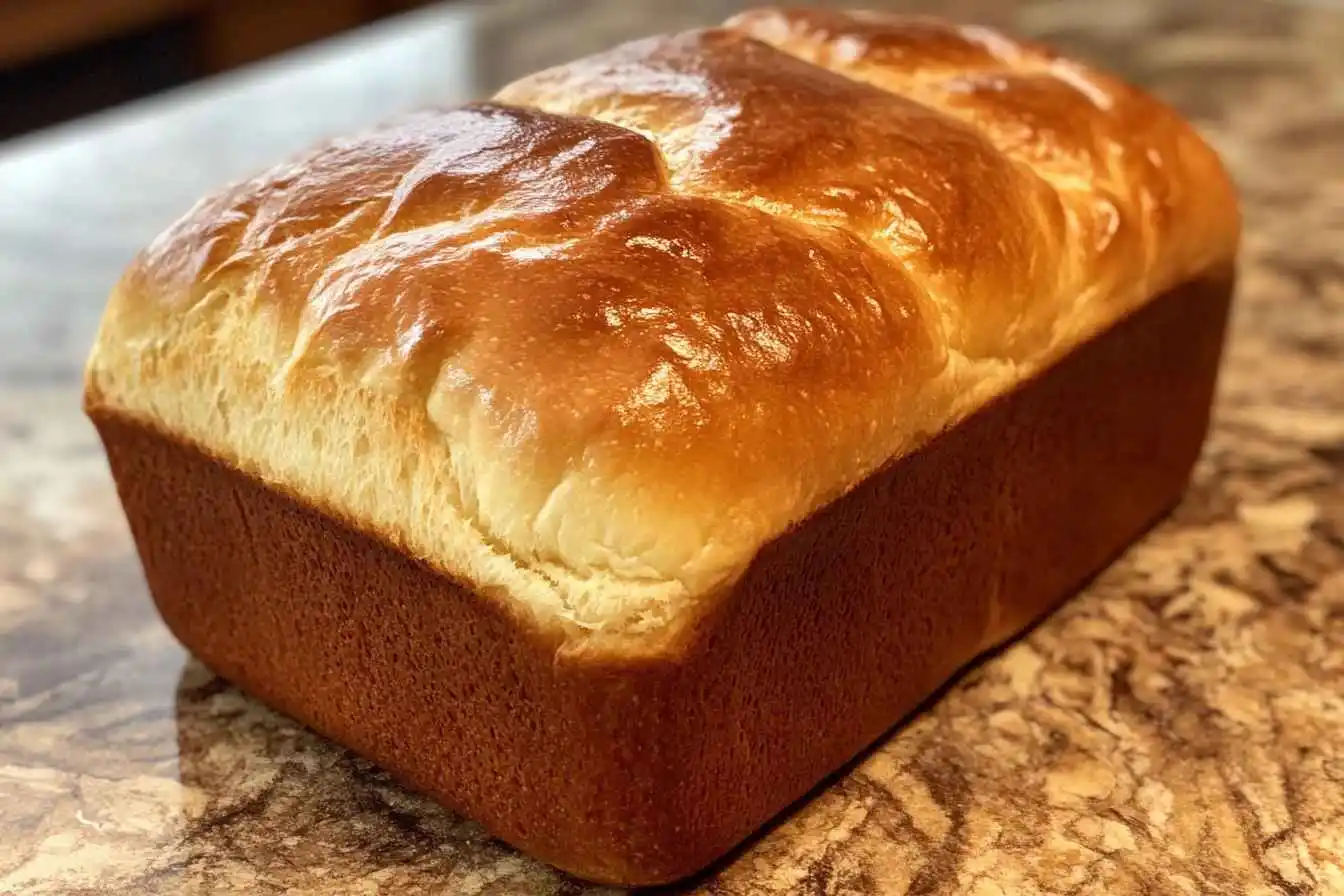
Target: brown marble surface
1177 728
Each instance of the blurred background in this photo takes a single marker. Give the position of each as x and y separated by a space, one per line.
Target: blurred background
62 59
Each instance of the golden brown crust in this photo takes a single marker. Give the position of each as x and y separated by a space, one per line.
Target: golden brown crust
1148 202
635 766
620 329
576 313
739 121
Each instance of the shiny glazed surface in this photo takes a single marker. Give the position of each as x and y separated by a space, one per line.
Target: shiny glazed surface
666 302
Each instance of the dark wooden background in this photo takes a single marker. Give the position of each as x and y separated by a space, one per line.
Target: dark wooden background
60 59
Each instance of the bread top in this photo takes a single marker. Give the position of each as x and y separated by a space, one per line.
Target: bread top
590 345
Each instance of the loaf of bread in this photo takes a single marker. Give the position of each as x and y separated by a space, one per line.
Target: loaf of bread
616 459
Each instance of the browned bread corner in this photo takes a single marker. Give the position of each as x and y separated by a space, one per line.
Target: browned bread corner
616 459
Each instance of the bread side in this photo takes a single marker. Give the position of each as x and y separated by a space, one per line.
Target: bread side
590 347
627 761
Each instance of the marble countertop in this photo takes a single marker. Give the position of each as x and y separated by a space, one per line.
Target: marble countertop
1177 728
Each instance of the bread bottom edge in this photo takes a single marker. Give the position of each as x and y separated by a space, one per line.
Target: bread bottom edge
647 769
